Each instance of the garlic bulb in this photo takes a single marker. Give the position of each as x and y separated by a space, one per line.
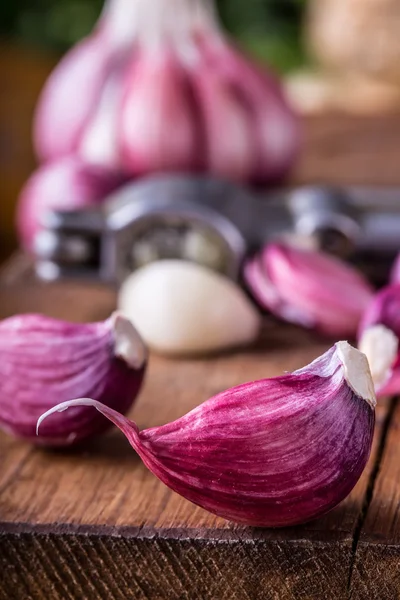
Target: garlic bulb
310 288
43 361
384 310
154 93
268 453
180 307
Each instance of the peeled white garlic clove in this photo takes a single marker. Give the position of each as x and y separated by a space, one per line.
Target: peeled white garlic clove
44 360
184 308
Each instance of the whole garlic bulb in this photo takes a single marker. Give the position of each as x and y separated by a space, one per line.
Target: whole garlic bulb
146 93
181 307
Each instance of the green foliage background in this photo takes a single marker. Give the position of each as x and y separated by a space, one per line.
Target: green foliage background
268 28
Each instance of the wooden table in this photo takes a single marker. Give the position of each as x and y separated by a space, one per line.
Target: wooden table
94 523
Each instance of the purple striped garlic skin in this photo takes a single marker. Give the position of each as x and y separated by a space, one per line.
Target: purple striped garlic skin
44 361
384 309
308 287
270 453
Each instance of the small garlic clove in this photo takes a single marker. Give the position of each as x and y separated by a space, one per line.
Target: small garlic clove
59 121
68 183
269 453
274 126
43 360
384 310
98 144
70 98
184 308
229 140
156 125
309 288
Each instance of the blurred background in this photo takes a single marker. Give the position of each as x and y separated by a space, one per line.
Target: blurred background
35 33
333 55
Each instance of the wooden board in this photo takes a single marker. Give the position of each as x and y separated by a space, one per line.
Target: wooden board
94 523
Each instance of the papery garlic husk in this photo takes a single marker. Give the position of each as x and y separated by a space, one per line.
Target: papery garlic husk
44 360
268 453
308 287
64 184
181 307
384 310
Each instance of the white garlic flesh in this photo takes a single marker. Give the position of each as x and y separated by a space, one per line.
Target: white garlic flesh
181 308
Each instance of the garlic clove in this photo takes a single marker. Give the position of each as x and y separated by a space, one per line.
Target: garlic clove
269 453
64 184
184 308
44 360
99 141
383 310
274 125
59 119
71 94
229 140
157 125
309 287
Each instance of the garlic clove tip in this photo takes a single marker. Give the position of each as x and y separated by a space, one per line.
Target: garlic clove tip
128 343
357 372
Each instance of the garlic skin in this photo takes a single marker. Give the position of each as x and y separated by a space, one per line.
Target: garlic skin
309 288
269 453
384 310
395 271
183 308
44 360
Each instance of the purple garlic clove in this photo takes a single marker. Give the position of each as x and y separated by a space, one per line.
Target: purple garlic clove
310 288
269 453
65 184
44 360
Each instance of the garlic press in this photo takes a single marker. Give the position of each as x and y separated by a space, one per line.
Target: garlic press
215 223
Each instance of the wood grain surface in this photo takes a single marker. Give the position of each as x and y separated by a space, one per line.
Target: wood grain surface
94 523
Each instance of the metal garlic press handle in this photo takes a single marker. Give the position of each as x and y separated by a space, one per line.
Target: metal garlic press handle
98 243
349 219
